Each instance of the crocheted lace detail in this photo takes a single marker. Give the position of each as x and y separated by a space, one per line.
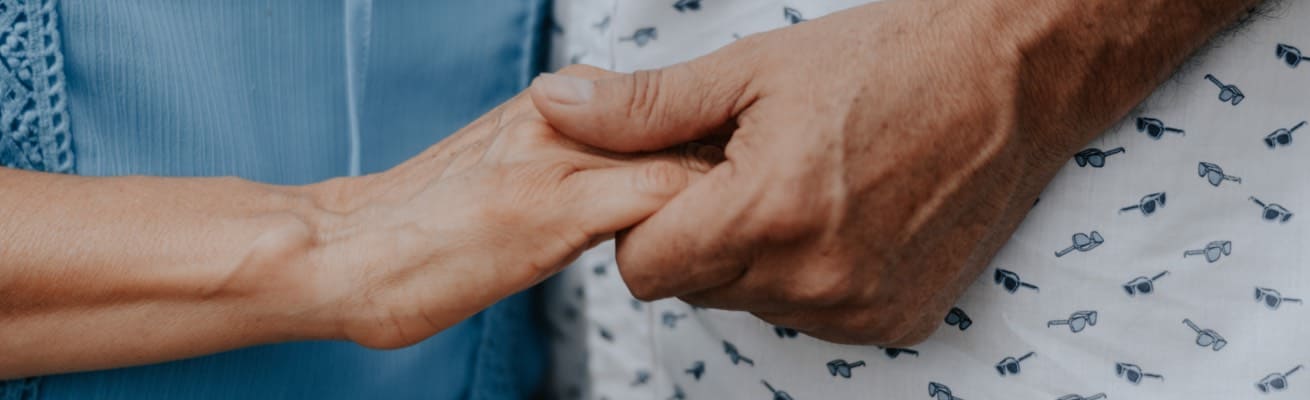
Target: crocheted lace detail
33 110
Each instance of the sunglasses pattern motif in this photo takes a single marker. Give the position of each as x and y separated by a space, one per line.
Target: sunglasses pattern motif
1095 157
1080 311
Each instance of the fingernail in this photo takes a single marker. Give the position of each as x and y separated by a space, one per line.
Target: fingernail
565 89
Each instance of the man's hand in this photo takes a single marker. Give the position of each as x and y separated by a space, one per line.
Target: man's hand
878 157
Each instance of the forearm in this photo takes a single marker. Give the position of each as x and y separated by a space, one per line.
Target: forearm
1084 64
104 272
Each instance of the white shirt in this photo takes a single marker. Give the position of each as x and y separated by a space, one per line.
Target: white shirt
1180 274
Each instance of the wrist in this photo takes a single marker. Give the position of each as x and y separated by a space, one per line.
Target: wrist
367 242
280 277
362 231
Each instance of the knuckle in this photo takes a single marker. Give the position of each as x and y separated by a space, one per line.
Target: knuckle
824 286
540 184
660 178
791 214
647 87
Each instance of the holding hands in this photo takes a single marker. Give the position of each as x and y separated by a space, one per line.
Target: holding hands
879 156
384 260
503 204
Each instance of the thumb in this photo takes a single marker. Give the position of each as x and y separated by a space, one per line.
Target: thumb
646 110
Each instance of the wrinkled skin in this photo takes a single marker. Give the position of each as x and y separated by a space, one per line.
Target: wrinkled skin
516 202
879 157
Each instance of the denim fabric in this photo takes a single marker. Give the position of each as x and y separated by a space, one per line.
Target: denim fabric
292 92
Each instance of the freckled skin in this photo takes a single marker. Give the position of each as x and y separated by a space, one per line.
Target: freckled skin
880 156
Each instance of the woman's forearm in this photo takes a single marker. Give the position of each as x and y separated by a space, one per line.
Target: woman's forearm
108 272
104 272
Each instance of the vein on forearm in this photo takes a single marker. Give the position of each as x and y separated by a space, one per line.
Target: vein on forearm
105 272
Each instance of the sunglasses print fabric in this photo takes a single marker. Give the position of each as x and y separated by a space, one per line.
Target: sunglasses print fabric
777 394
1076 322
1272 299
893 352
1097 396
1275 382
1155 129
1095 157
1143 285
1290 55
1282 136
1148 204
956 317
1010 365
1214 174
1133 373
1083 242
1114 313
842 368
1010 281
1272 211
1207 337
939 391
1213 251
1227 93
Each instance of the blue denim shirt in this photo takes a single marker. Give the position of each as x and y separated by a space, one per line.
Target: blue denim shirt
288 92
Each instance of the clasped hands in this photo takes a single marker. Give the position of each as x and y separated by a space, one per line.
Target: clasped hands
865 182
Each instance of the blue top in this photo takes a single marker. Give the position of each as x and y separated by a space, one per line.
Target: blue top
284 91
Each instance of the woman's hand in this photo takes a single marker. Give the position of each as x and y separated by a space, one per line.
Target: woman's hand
506 203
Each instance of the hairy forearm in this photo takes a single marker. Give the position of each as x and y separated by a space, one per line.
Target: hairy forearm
105 272
1084 64
1087 63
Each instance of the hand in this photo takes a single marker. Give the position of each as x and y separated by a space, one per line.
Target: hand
879 157
500 206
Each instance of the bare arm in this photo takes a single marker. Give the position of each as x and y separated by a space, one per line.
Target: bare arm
97 272
108 272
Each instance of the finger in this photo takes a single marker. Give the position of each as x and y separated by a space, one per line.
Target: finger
530 138
648 110
693 243
795 276
603 201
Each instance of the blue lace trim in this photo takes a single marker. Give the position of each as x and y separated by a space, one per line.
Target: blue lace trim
33 111
20 389
33 108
